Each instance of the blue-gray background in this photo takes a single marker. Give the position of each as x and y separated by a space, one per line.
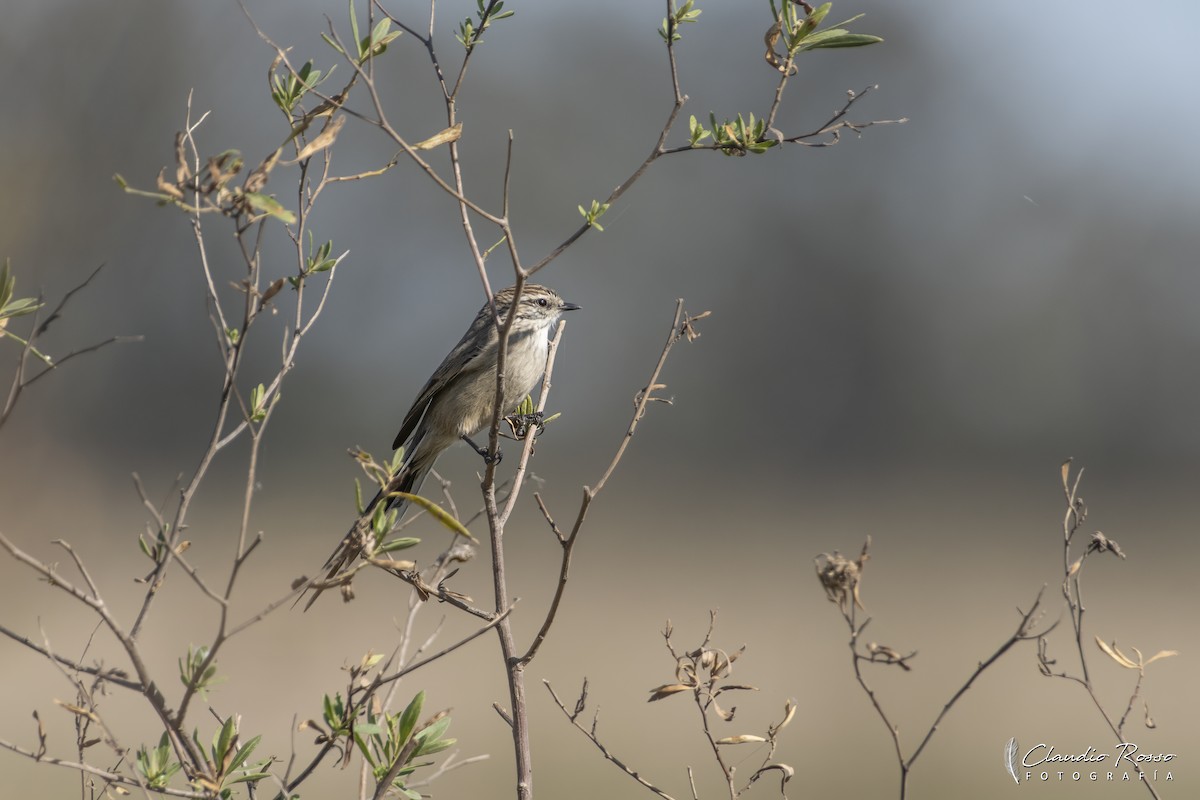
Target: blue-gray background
910 332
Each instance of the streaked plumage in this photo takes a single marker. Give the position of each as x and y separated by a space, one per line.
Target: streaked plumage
458 399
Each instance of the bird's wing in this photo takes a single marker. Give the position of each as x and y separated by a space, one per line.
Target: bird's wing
463 359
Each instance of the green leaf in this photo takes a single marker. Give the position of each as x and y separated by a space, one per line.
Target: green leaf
329 41
402 543
242 754
814 19
258 408
248 777
7 283
265 204
354 28
381 30
381 521
437 512
434 731
594 213
408 719
365 749
21 307
332 719
844 39
428 749
222 741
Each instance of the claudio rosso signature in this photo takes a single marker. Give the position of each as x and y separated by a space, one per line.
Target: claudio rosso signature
1125 763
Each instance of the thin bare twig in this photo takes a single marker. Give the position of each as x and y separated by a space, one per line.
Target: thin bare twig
112 777
841 577
20 382
1072 590
117 677
682 325
594 739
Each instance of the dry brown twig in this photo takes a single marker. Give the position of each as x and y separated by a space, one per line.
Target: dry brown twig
166 544
704 673
1072 591
21 380
841 578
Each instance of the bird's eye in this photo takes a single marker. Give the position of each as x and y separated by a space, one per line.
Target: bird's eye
542 302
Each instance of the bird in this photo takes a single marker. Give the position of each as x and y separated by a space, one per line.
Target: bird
459 398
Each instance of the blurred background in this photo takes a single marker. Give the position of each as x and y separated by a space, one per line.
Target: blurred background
910 332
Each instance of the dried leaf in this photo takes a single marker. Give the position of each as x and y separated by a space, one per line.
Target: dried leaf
166 187
459 596
83 712
789 711
788 772
1162 654
666 690
324 139
1115 654
451 134
770 39
745 738
182 170
722 713
270 292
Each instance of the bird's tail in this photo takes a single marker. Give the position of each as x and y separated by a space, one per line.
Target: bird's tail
408 479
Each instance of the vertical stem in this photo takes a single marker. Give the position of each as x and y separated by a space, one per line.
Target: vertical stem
514 667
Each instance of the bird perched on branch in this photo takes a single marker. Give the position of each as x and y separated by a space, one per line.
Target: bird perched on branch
459 398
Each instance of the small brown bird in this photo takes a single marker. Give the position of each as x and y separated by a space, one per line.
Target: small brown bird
458 399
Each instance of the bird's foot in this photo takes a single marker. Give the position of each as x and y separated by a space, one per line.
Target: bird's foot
487 457
521 423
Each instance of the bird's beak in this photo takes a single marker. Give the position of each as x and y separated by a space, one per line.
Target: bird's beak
569 307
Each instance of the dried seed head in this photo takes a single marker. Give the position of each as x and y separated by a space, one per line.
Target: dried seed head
840 577
1102 544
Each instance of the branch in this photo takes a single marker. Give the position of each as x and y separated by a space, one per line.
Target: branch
682 325
591 735
113 777
112 675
